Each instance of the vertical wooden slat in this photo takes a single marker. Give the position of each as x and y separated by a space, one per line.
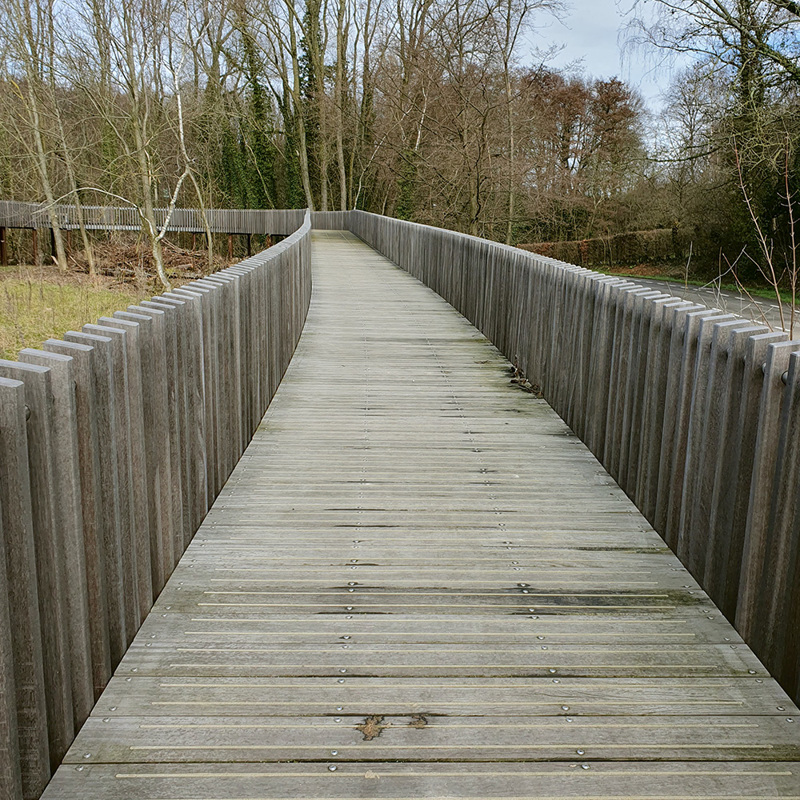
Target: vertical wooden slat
66 471
221 399
205 387
228 396
10 772
177 425
49 548
164 406
22 586
115 581
682 370
118 351
128 330
194 401
655 399
761 559
641 314
783 610
156 444
91 505
689 541
177 317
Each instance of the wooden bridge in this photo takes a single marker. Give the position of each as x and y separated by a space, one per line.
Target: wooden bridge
416 581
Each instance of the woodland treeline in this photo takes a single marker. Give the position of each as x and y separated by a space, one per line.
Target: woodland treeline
438 111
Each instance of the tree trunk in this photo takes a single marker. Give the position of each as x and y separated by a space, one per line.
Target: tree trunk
339 89
44 177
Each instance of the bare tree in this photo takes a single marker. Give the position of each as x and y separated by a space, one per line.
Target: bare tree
29 33
509 19
282 29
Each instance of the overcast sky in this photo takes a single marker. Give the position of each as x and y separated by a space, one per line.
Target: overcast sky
590 32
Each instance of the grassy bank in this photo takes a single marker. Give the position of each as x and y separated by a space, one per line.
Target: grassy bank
38 304
668 274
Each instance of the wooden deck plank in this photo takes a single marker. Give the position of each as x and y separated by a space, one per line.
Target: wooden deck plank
349 781
424 738
316 659
525 697
413 547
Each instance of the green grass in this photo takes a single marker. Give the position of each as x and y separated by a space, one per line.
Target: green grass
34 310
755 291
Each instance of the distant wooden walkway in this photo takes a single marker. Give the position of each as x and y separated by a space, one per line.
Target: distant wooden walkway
418 583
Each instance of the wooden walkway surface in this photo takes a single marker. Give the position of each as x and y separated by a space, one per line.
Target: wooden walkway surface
419 583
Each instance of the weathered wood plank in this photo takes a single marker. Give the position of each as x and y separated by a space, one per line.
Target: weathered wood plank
66 471
23 725
427 737
134 347
158 697
118 572
49 548
91 504
576 778
244 657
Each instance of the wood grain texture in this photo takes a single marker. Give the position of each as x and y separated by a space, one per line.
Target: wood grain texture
90 503
688 420
66 469
50 548
418 582
10 772
118 583
21 584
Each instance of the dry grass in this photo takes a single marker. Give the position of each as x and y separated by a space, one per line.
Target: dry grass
39 303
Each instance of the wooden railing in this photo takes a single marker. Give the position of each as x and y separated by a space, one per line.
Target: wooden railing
278 222
695 413
115 440
113 444
190 220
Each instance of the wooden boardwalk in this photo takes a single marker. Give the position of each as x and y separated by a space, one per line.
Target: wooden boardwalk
418 583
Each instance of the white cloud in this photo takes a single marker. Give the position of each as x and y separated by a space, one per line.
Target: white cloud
592 32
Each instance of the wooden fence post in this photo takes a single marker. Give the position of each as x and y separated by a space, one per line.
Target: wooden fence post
163 392
177 321
653 401
10 773
783 610
66 471
128 332
194 402
762 563
91 504
117 352
114 579
207 379
23 596
156 446
50 548
702 420
177 428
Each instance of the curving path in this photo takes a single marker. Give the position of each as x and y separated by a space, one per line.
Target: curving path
419 583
